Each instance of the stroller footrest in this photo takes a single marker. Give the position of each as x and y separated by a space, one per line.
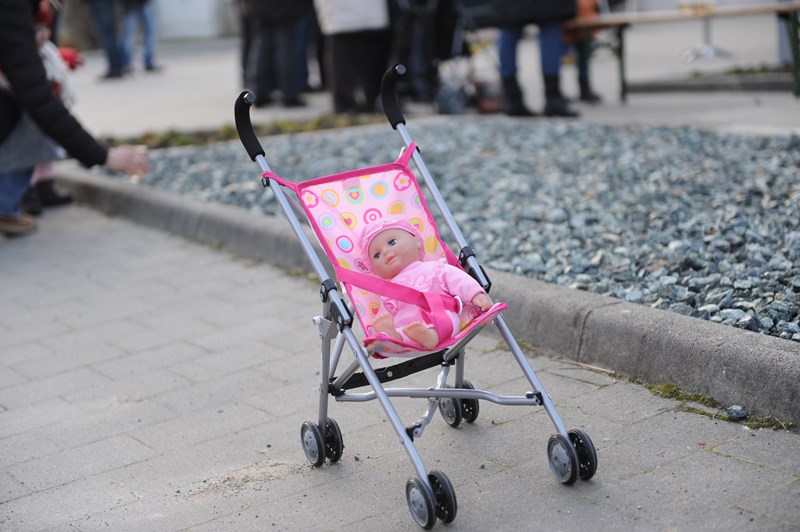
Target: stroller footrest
390 373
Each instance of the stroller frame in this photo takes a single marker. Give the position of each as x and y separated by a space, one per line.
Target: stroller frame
430 495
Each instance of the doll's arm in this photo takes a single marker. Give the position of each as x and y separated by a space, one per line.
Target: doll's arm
482 300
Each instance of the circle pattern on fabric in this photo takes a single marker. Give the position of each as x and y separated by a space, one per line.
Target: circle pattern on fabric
349 220
330 197
374 308
397 207
418 223
362 266
345 244
327 222
343 264
431 244
355 195
371 215
379 190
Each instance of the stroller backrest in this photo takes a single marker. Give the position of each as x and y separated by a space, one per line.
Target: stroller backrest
338 208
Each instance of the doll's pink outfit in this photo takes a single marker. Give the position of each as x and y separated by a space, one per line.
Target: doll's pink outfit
435 277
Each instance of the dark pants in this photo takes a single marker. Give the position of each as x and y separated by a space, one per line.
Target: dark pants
355 63
274 61
105 22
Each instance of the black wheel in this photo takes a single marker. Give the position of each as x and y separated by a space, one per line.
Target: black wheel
421 503
563 459
587 456
313 443
445 496
470 408
450 409
334 444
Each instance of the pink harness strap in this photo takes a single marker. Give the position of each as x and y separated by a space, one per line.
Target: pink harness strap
433 305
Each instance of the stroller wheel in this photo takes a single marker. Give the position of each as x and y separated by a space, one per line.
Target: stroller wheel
313 444
450 409
470 408
421 503
563 459
445 495
587 456
334 444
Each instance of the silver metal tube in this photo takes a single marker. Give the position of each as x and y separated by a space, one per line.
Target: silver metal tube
323 387
531 376
388 407
440 203
337 354
319 269
454 393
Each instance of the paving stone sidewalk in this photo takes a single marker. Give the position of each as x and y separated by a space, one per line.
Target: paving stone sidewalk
148 382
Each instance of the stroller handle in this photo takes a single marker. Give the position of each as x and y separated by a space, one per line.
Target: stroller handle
389 95
241 113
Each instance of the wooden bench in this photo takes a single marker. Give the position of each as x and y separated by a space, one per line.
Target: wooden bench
619 22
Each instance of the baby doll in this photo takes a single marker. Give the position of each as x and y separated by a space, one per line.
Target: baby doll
394 248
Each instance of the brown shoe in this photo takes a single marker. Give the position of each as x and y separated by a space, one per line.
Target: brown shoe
18 226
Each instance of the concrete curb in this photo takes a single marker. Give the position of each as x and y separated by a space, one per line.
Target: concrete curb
731 365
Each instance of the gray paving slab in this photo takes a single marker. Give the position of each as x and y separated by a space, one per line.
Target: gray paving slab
205 436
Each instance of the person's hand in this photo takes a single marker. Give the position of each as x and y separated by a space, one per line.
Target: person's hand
482 300
129 159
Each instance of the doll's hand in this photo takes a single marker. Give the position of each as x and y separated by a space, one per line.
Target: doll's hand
482 300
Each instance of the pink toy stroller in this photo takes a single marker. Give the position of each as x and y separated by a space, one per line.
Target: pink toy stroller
337 208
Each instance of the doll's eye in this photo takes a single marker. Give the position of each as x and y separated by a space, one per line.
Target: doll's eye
376 256
393 242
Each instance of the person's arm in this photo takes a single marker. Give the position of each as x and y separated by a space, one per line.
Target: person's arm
23 68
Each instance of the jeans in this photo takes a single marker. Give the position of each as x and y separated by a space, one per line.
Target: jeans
145 16
13 185
103 15
550 47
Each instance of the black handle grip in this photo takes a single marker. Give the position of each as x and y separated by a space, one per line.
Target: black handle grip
389 95
241 113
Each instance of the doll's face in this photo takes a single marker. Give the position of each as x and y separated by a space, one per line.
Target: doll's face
392 250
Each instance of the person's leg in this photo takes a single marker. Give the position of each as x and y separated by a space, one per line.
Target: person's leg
584 51
262 64
376 47
128 38
287 65
513 103
343 49
147 18
13 186
550 46
104 21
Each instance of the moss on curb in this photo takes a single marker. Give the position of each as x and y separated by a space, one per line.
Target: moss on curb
716 411
173 138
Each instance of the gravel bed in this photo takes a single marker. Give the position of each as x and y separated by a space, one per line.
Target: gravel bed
699 223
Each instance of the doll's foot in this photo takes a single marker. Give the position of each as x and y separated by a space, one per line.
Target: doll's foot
424 336
385 324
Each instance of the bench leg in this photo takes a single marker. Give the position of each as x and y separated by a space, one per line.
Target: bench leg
619 50
792 28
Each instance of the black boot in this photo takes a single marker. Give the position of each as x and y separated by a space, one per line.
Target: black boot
555 103
587 94
31 203
49 196
513 104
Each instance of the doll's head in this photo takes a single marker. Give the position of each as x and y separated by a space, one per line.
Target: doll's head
390 244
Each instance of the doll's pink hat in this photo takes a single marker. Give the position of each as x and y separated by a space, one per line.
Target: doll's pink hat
380 225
